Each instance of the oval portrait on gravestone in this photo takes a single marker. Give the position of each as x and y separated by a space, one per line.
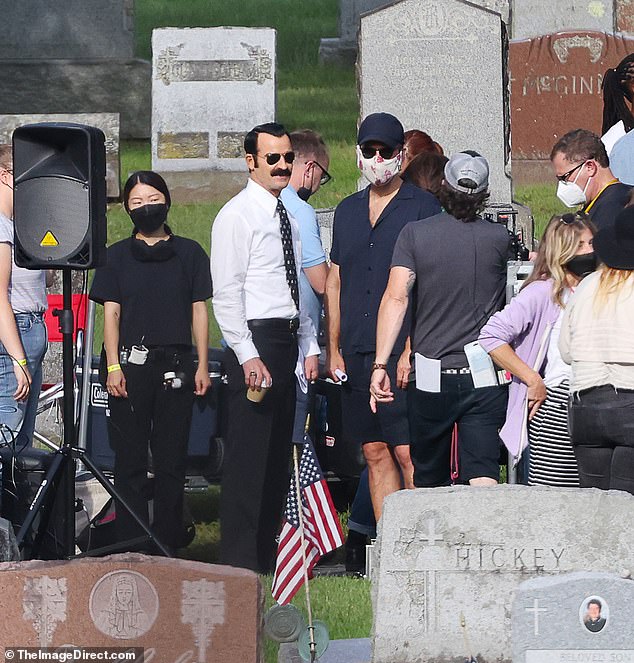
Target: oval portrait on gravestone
123 605
594 613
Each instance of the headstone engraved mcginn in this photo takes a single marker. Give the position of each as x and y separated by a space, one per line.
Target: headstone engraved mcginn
76 56
441 68
210 86
555 87
572 618
177 610
532 18
449 560
107 122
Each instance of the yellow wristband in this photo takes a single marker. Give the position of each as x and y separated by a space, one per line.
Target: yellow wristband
21 362
113 368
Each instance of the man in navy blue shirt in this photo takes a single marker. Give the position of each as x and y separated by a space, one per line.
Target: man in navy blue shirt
366 227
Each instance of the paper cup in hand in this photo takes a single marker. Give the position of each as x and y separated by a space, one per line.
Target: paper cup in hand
256 396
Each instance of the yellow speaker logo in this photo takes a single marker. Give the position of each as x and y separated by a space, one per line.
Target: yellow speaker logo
49 239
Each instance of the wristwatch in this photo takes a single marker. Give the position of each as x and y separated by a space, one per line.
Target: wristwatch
378 367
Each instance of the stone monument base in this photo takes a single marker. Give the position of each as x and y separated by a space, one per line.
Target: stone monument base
87 86
334 50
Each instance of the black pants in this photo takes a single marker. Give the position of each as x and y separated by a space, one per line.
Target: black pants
256 475
479 413
158 418
602 433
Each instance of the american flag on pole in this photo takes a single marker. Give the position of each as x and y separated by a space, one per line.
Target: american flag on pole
322 531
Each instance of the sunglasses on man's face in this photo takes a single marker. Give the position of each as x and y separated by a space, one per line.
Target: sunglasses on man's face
325 175
273 157
569 218
368 152
565 176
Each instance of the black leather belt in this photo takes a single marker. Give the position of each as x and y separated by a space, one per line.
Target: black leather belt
280 324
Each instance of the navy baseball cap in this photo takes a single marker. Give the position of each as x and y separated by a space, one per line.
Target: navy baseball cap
381 128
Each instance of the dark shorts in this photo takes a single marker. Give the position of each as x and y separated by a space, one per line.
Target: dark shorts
479 413
360 424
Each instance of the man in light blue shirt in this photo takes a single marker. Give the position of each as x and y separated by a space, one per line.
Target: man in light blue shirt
309 173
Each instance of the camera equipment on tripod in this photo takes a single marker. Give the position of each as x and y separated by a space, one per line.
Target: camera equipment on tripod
507 216
517 271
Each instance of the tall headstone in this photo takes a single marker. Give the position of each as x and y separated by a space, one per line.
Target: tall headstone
532 18
177 610
344 47
449 562
210 86
556 87
574 617
76 56
441 67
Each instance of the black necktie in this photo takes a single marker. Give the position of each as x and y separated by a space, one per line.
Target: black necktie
289 256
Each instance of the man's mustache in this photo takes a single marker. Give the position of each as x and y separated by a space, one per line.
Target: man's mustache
281 172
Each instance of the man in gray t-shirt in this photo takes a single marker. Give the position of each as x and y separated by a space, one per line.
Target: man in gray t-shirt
454 264
22 327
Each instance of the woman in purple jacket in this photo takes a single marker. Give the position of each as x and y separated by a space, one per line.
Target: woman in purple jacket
523 339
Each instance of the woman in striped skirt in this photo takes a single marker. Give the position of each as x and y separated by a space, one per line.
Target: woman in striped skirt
523 339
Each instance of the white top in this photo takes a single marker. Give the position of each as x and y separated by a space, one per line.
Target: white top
27 287
248 273
557 370
598 342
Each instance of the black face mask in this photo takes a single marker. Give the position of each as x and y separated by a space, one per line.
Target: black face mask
149 218
582 265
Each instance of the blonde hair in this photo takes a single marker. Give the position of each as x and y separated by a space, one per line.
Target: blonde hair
611 281
558 245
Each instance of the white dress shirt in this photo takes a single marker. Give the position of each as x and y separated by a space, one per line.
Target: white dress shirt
248 273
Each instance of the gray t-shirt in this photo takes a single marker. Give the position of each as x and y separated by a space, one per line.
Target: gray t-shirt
27 287
460 282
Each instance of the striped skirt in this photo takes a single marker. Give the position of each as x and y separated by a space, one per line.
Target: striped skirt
552 460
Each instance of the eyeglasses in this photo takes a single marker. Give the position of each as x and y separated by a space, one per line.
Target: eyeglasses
565 176
273 157
569 218
368 152
325 175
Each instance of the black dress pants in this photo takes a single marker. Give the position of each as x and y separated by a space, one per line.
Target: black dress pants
256 473
156 418
602 435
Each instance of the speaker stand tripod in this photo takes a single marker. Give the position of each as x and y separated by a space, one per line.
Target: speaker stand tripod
61 473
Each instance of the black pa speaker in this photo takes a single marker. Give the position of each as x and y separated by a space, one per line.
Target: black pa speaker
59 196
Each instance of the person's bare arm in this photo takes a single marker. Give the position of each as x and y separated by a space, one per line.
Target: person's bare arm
115 382
200 331
334 360
316 276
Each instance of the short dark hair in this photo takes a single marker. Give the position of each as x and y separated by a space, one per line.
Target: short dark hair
308 143
6 156
596 602
463 206
150 178
270 128
581 145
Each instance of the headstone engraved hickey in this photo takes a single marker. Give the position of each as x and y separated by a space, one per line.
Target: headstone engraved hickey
449 560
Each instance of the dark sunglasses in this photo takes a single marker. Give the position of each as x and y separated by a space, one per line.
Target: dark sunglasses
565 176
368 152
273 157
569 218
325 175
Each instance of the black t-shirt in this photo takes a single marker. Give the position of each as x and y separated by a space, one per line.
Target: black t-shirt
609 204
156 296
460 282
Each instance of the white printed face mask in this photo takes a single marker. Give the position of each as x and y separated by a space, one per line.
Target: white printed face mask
377 170
571 194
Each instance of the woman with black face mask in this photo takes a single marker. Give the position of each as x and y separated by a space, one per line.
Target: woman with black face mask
154 289
522 339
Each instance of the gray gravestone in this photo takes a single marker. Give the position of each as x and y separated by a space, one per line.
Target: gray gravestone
441 67
76 56
575 617
449 560
344 47
533 18
210 86
356 650
107 122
